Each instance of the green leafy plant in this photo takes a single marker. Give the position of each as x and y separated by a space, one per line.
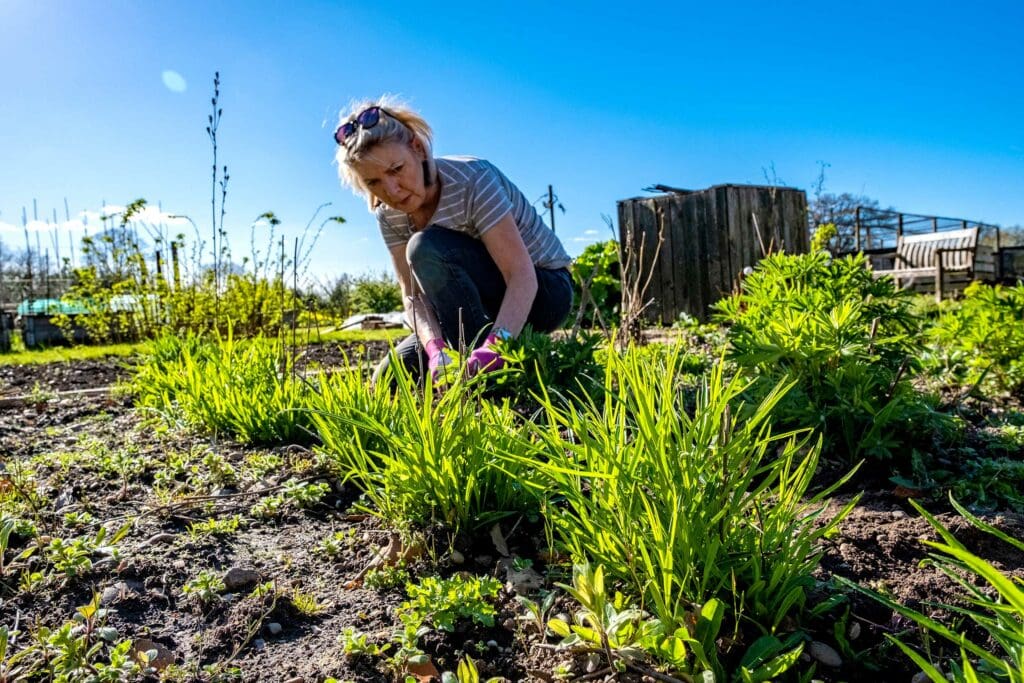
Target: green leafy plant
845 340
684 498
206 587
441 602
214 527
565 366
997 608
980 343
421 460
466 673
354 642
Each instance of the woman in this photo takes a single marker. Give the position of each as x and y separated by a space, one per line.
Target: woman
474 260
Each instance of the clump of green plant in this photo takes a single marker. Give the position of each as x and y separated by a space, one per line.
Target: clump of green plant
419 459
296 494
74 557
684 499
337 543
990 483
565 366
996 608
626 634
980 343
206 587
82 649
847 342
441 602
389 576
244 389
214 527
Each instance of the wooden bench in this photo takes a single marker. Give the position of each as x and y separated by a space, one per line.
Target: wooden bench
933 257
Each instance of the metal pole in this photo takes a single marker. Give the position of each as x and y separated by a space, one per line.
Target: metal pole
856 229
551 206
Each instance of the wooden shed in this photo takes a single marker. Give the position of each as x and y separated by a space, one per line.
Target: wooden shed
709 237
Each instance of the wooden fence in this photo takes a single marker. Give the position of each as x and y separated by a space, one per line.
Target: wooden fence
709 237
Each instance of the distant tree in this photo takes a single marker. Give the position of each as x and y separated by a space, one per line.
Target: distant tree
376 294
838 209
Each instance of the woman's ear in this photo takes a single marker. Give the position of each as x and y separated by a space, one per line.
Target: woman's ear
418 149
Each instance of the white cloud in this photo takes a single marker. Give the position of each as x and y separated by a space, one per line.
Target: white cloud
93 220
591 232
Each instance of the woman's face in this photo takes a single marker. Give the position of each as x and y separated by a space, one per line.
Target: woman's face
393 172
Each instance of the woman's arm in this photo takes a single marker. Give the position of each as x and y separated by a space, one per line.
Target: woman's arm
419 313
505 245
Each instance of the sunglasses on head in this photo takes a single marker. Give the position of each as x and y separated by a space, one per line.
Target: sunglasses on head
367 118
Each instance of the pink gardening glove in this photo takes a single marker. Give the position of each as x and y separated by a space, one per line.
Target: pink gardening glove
437 359
485 358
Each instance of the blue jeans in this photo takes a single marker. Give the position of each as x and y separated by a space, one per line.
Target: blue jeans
458 277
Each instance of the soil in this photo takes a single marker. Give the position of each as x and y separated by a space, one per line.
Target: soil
878 545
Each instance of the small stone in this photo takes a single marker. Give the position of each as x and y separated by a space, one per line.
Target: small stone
113 593
509 624
178 564
593 662
899 514
163 657
854 631
259 645
274 628
493 644
825 654
920 677
846 549
562 616
237 579
457 557
297 679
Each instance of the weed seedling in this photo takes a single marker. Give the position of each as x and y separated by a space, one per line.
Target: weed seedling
206 587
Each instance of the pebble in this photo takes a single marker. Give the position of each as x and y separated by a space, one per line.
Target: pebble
297 679
509 624
920 677
493 644
259 645
458 558
593 662
112 593
238 578
825 654
854 631
274 628
899 514
164 657
846 549
178 564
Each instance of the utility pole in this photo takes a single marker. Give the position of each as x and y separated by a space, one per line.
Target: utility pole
551 206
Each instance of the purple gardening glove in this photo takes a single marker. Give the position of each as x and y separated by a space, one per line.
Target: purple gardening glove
485 358
437 359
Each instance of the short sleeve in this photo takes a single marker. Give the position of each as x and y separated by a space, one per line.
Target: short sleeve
392 236
489 200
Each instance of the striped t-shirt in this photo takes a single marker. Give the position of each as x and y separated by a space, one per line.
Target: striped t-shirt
475 195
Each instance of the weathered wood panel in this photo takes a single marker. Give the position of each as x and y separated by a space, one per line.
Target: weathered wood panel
709 237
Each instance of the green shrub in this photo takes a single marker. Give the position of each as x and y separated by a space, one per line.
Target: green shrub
846 340
376 294
540 362
981 342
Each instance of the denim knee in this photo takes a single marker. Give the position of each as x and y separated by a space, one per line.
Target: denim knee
425 255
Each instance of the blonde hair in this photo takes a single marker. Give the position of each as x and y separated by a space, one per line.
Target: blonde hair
398 123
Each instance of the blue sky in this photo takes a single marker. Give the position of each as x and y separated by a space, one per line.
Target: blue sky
918 105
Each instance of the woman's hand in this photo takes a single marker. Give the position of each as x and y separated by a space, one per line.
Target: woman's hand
486 358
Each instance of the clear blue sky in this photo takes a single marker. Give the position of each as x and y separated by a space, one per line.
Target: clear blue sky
918 105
